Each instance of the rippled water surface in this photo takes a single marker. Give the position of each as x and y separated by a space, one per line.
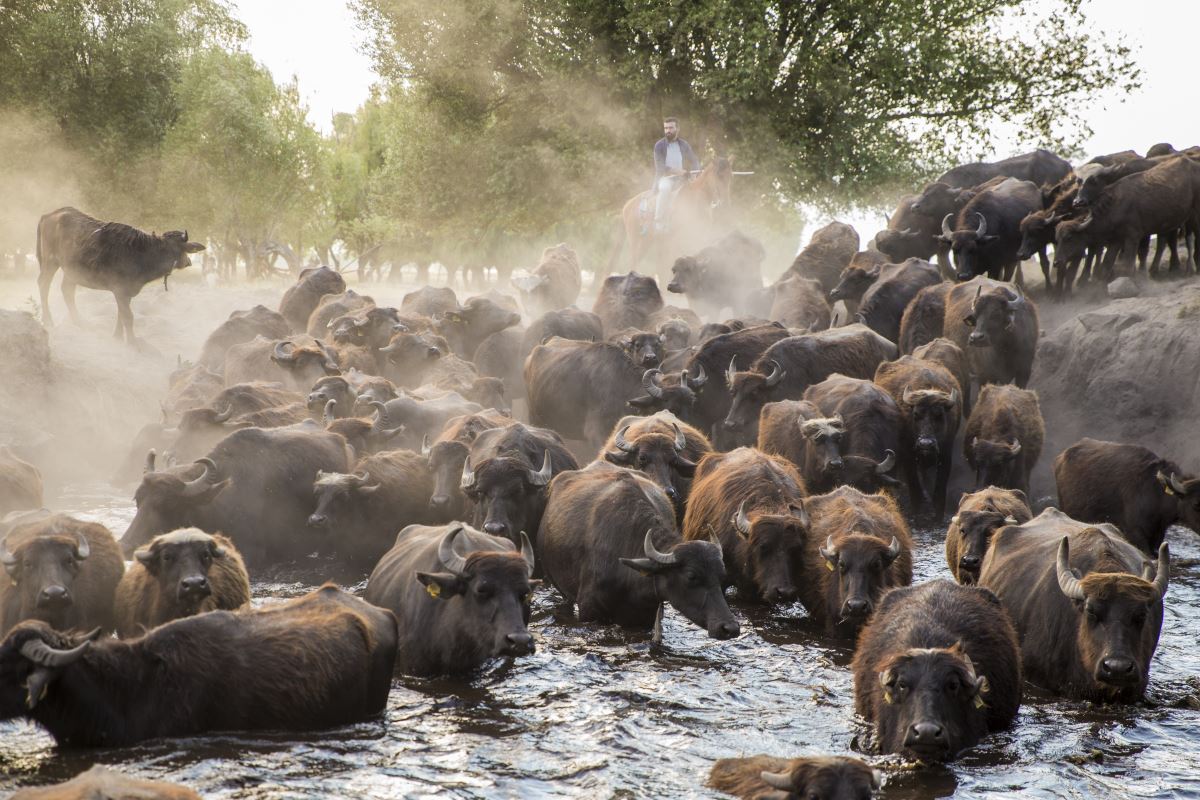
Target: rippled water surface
598 713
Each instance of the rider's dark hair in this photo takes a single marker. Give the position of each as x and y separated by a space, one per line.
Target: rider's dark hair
670 119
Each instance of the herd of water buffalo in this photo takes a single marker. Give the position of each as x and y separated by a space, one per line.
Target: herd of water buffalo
664 457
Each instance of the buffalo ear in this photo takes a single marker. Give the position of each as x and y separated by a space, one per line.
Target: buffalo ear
193 247
645 566
442 585
1020 494
147 558
617 457
643 401
988 239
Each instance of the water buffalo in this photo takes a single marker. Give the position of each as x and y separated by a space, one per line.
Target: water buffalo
505 476
190 386
429 301
334 306
754 503
100 781
924 317
856 278
302 298
996 325
20 483
800 303
456 606
1040 167
937 668
884 302
180 574
60 570
225 493
421 418
333 388
725 274
870 422
980 514
986 234
909 234
1004 436
447 455
826 254
466 327
1140 492
296 362
321 660
643 348
407 358
242 326
370 328
663 447
713 358
815 778
950 356
553 284
361 510
627 301
858 547
930 404
109 256
565 323
788 367
1087 605
609 545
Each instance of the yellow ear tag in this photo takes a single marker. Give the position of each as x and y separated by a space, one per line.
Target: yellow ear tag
979 702
434 589
887 696
829 566
1169 490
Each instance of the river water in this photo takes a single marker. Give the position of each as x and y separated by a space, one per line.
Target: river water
598 713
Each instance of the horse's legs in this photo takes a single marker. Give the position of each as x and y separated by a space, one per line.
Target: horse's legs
45 276
68 293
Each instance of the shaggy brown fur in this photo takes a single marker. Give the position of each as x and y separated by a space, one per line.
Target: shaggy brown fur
1004 415
302 298
332 306
980 514
821 777
923 318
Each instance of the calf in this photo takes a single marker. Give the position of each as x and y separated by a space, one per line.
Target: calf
61 571
456 607
857 548
980 514
996 325
813 778
1087 605
609 546
754 503
180 574
937 668
1129 486
662 447
1003 438
319 661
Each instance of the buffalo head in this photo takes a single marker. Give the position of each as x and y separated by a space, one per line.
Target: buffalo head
690 578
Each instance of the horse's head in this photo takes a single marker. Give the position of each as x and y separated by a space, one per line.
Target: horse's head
719 177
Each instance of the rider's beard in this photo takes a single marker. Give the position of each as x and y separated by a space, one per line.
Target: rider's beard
671 135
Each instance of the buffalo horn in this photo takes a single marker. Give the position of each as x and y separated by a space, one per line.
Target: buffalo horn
201 483
740 521
946 226
1163 572
975 302
149 466
889 461
451 560
893 548
697 380
776 375
221 416
653 554
543 475
1176 484
622 444
527 551
468 476
425 448
44 655
981 231
283 351
680 439
82 548
828 551
954 397
1015 447
6 557
778 780
650 383
731 371
907 396
381 419
327 415
1067 581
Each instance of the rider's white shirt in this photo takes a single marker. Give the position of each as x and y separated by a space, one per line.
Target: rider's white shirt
674 159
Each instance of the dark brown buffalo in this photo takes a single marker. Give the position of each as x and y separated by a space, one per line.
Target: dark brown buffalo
1140 492
60 570
663 447
986 234
884 302
725 274
177 575
501 357
20 483
334 388
1040 167
460 597
297 362
609 545
191 386
810 778
996 325
825 255
930 404
950 356
787 368
937 668
421 418
228 493
109 256
754 504
362 509
102 782
676 335
1039 228
242 326
856 278
800 303
429 301
675 393
740 347
200 429
302 297
361 434
466 327
448 454
979 515
369 328
858 547
334 306
1004 437
627 301
505 476
554 283
319 661
565 323
1087 605
923 319
408 357
909 234
643 348
870 424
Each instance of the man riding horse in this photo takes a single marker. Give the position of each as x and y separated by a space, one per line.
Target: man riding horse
674 162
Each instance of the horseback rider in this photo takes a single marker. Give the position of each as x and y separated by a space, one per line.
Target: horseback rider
673 163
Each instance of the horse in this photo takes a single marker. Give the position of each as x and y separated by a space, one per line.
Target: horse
689 220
